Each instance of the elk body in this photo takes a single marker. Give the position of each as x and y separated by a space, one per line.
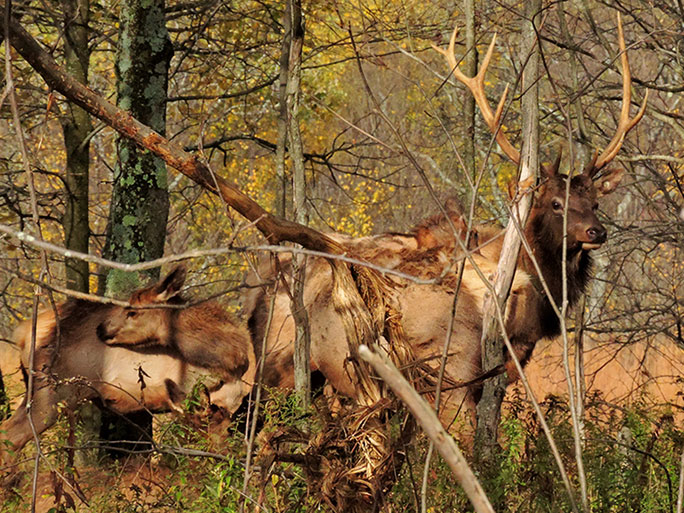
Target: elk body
427 312
178 349
426 309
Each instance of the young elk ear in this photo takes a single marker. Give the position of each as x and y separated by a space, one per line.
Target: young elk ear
547 171
454 206
171 285
609 181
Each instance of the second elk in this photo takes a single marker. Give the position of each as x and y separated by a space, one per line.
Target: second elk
146 357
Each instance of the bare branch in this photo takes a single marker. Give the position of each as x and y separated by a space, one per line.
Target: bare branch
428 420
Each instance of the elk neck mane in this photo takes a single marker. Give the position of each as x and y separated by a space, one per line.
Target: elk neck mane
547 249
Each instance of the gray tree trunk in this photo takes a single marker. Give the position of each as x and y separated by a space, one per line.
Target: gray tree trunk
283 122
469 100
140 203
493 348
302 350
77 128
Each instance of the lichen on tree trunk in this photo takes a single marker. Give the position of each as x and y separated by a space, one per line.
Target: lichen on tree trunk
140 203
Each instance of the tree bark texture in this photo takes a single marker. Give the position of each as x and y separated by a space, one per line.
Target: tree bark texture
77 128
493 348
140 202
302 349
468 100
281 143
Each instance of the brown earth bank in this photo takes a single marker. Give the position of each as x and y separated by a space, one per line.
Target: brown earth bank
649 373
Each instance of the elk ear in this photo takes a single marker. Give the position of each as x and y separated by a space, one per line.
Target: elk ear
454 206
551 170
515 187
609 181
172 284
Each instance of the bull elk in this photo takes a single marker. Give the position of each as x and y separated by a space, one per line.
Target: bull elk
150 358
426 310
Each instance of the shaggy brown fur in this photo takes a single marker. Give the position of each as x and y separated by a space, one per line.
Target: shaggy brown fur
204 334
77 365
426 310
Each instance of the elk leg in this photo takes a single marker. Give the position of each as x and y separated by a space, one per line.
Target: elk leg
16 431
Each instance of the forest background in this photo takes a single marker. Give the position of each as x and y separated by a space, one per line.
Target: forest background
379 119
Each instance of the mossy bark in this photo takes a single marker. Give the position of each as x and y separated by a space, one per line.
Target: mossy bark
76 128
140 203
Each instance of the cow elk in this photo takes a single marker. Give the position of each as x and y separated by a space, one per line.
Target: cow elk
130 359
426 310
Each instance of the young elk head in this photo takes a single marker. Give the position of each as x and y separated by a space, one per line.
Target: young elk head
138 325
584 231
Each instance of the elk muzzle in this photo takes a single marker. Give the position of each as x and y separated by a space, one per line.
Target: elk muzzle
594 236
104 333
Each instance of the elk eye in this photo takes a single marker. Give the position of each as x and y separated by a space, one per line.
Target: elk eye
131 313
556 205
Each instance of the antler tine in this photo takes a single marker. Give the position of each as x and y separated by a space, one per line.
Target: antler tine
476 86
625 124
588 170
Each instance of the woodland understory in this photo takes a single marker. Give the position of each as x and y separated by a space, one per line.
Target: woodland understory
216 133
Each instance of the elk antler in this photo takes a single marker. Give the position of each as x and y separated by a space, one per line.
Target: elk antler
476 86
625 124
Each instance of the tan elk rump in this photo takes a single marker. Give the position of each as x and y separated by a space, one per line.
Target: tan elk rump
179 348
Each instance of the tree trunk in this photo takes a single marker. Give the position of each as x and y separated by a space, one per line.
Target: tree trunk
140 203
469 100
281 143
77 128
5 409
302 350
493 348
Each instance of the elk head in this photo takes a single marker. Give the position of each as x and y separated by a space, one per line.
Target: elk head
584 231
551 206
138 325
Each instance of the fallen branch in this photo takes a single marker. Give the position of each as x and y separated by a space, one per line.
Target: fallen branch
433 428
274 228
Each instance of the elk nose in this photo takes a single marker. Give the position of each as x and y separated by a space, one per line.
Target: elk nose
101 332
597 234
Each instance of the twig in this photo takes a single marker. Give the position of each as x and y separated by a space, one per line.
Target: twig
252 419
